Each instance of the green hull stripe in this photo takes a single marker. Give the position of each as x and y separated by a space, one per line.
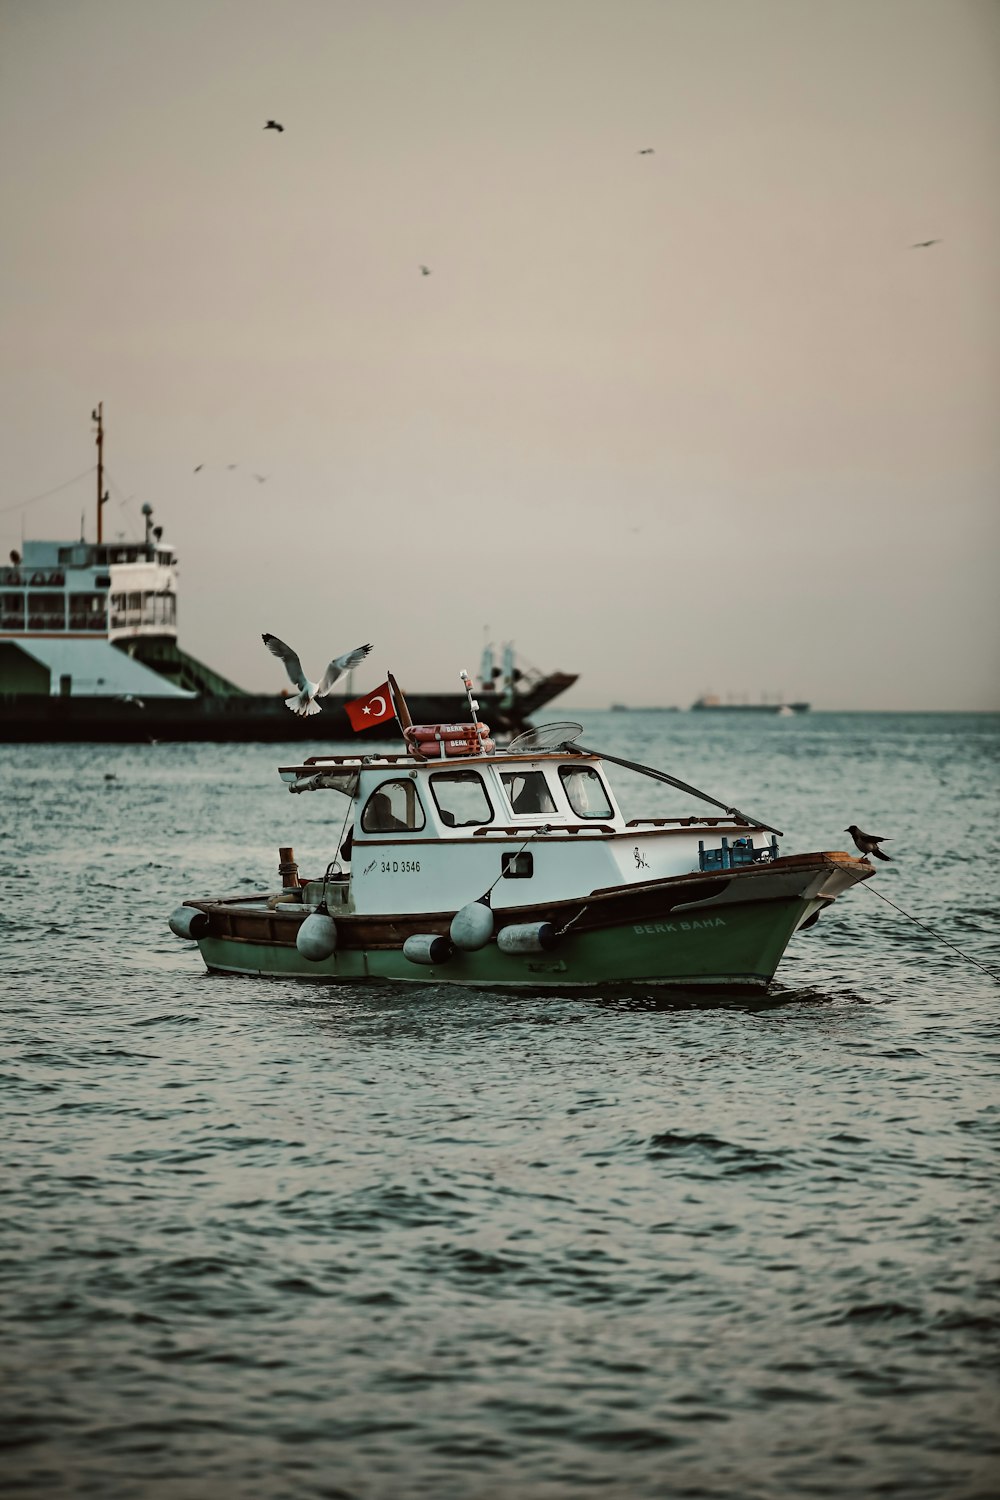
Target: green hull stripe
738 946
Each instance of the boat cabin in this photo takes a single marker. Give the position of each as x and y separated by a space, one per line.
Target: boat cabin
430 834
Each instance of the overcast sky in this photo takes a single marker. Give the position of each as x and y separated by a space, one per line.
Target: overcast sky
696 419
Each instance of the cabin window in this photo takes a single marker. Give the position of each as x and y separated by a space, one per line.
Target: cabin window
586 793
461 798
86 612
11 611
46 612
163 609
393 807
527 791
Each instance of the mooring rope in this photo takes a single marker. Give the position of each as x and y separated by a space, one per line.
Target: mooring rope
862 880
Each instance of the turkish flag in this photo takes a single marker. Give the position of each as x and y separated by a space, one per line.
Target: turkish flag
375 708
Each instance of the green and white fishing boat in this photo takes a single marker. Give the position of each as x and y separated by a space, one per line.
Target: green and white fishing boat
463 863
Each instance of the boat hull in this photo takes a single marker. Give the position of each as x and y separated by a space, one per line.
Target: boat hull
718 935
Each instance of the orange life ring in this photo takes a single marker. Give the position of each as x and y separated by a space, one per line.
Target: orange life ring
439 749
467 747
423 732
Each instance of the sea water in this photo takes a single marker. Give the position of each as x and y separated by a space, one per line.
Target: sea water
264 1239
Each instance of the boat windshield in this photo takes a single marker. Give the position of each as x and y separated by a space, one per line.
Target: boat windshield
393 807
586 792
461 798
527 791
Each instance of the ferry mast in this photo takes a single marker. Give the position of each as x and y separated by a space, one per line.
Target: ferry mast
97 415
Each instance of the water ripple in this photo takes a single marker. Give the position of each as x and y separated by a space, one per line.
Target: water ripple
266 1240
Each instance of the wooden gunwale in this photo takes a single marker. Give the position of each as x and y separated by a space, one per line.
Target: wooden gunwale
606 907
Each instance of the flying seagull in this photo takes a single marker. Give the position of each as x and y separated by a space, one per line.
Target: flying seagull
273 125
646 151
425 270
924 244
868 843
304 702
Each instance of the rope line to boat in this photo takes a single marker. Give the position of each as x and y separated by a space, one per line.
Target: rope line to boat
862 880
20 504
683 786
561 931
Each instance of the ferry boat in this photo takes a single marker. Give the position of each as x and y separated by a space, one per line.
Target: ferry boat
712 703
89 651
465 864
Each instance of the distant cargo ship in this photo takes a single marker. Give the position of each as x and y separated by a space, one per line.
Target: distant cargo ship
89 651
715 704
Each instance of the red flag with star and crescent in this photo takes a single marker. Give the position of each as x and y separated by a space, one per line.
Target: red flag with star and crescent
374 708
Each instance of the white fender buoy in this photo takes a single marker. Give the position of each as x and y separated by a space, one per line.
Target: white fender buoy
426 948
188 922
527 937
472 927
316 938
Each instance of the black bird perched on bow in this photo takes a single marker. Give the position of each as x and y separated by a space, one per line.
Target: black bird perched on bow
273 125
868 843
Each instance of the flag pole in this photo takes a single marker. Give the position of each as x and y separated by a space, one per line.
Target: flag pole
402 713
399 704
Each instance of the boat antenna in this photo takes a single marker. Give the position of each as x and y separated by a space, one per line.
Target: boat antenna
97 415
473 709
631 765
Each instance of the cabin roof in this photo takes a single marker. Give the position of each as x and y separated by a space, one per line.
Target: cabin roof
341 765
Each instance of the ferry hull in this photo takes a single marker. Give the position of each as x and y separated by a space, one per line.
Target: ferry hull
33 718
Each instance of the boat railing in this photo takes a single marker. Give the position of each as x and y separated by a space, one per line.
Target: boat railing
694 821
522 829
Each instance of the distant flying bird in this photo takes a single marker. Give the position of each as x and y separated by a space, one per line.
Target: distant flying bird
425 270
304 701
198 468
646 151
261 478
868 843
273 125
924 244
232 466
